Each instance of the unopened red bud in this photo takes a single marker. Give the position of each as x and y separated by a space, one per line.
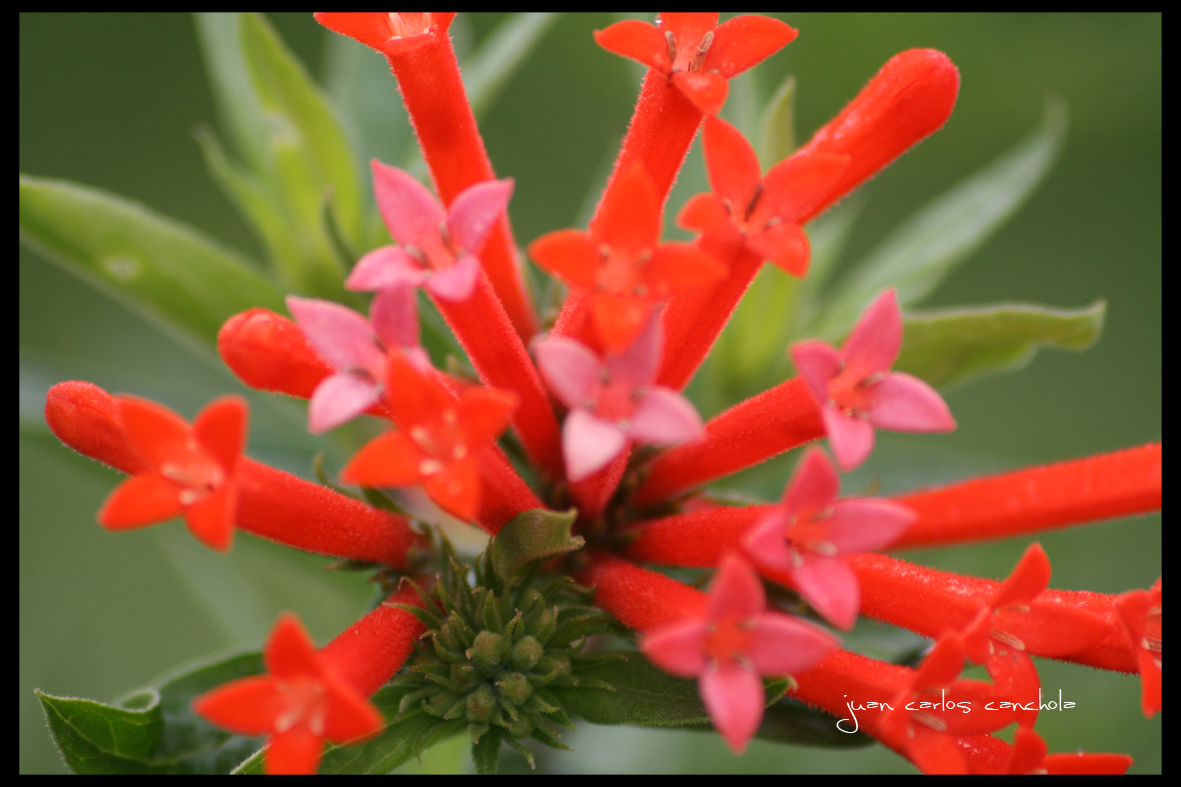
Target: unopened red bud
910 98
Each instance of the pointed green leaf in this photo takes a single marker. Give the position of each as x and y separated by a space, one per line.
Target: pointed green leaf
533 535
502 53
918 255
152 731
948 347
309 163
237 103
777 130
486 752
172 274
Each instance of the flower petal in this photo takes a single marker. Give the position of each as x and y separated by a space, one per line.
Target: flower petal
589 444
677 648
637 40
784 645
817 362
475 210
409 210
907 404
706 92
873 345
340 398
831 587
293 751
637 365
340 335
385 266
676 267
850 438
220 428
813 487
765 543
157 433
619 318
793 186
457 282
141 500
568 254
734 699
733 167
628 219
484 414
706 214
736 591
745 41
456 488
570 369
665 417
867 524
290 651
394 316
211 519
786 245
391 459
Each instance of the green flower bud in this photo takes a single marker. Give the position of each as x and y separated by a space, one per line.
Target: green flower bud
526 653
488 652
514 687
481 705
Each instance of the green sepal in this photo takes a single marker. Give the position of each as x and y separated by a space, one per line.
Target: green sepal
171 274
486 751
533 535
948 347
153 731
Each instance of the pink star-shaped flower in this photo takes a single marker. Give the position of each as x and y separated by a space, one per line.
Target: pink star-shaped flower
299 704
695 52
191 470
735 643
760 213
810 531
356 349
857 391
437 247
613 400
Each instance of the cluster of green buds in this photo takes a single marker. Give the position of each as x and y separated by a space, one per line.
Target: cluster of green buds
499 640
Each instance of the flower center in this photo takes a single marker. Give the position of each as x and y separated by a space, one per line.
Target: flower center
195 470
728 640
303 703
854 394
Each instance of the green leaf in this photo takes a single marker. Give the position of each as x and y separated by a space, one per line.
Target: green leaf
791 721
948 347
172 274
501 54
644 695
533 535
154 730
309 160
237 103
918 255
777 131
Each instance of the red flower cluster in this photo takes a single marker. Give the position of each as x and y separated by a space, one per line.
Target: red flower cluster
641 316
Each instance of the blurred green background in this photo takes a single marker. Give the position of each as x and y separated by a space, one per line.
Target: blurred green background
112 101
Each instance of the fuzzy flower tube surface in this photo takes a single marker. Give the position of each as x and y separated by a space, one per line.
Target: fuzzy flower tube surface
573 449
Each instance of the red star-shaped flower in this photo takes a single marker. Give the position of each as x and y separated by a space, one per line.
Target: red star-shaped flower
695 52
810 531
857 391
621 262
760 213
735 643
1140 612
392 34
437 441
299 704
191 470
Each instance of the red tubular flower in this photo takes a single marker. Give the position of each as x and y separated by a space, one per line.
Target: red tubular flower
420 55
270 503
308 697
695 53
621 265
1028 755
1140 612
665 120
438 441
1037 498
750 432
189 470
910 98
732 645
745 220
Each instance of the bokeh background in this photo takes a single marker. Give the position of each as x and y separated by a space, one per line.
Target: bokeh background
112 102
